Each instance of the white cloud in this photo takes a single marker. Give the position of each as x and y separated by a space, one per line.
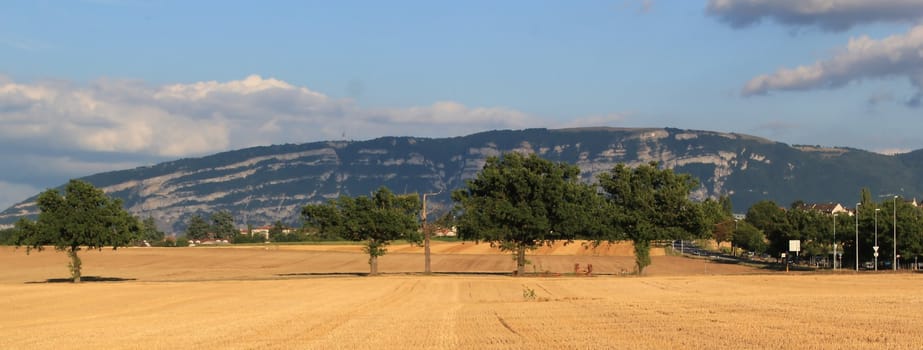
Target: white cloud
66 130
448 113
105 117
863 58
831 15
190 119
250 85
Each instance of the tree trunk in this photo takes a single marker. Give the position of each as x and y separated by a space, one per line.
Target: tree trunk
74 265
642 254
521 260
373 265
426 259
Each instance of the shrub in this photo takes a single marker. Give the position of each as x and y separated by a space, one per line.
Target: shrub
245 238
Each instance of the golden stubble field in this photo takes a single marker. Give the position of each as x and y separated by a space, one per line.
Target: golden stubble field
257 298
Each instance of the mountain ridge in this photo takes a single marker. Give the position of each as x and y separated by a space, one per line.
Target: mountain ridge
262 184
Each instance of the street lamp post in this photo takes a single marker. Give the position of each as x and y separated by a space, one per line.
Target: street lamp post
894 227
834 241
857 236
876 238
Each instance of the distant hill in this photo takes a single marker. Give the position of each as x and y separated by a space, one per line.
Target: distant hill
260 185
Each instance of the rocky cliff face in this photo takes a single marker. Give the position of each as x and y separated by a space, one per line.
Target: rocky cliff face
263 184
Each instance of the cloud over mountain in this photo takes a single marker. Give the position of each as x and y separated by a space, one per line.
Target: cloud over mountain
830 15
862 58
62 129
124 116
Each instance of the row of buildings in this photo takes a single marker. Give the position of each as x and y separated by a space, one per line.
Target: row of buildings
264 231
837 208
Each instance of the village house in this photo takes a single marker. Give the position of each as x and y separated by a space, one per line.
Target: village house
827 208
912 202
445 232
263 230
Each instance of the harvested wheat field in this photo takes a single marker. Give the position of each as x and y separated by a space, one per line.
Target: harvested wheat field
269 262
256 298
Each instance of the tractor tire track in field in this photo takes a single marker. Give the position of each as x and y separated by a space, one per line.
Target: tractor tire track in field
660 286
470 312
506 325
391 297
550 294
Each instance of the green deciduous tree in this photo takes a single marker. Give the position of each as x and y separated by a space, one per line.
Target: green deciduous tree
719 220
149 231
813 228
222 225
520 202
647 204
909 227
7 235
82 217
277 232
323 220
377 220
749 237
910 244
726 205
197 228
281 233
768 217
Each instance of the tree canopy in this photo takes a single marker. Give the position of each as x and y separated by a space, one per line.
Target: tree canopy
520 202
149 231
719 219
647 204
197 228
768 217
377 220
750 238
83 216
222 225
815 229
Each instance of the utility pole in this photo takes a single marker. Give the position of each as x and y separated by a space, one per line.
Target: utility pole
834 241
876 238
857 236
733 250
426 236
894 227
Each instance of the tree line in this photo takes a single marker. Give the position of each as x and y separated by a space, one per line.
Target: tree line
516 202
815 229
521 202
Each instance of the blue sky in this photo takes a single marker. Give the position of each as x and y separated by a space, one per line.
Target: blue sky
90 86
